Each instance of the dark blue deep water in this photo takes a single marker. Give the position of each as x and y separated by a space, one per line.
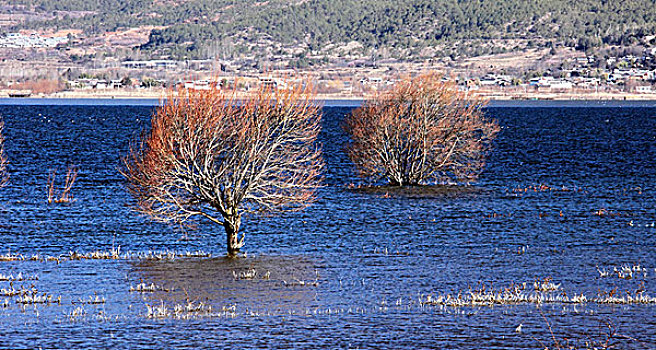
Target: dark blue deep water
569 193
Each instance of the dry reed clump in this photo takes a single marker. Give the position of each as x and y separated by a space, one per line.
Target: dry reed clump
169 255
157 311
546 285
80 313
76 313
516 294
250 274
64 195
111 254
295 282
192 309
12 292
301 283
93 300
18 278
35 298
26 295
11 257
384 251
545 188
145 288
245 275
625 272
115 254
607 337
189 310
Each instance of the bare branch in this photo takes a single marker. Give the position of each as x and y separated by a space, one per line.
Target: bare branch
206 155
423 131
63 196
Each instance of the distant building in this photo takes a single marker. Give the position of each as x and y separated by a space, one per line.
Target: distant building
151 64
559 84
550 83
272 83
198 84
200 64
115 84
644 89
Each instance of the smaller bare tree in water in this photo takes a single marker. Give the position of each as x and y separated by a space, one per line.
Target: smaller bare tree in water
422 131
210 156
64 195
4 177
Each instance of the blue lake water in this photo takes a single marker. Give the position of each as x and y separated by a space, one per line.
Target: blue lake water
568 195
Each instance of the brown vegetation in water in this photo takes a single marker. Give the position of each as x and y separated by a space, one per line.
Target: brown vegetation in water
422 131
427 191
63 196
607 337
4 177
210 156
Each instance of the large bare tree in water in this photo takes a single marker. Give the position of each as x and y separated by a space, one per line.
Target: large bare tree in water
422 131
208 155
4 177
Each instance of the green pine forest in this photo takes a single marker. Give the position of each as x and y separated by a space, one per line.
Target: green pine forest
405 28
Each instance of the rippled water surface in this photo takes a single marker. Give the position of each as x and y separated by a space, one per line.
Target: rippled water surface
568 195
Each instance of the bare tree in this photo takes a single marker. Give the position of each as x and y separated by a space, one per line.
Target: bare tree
4 177
210 156
422 131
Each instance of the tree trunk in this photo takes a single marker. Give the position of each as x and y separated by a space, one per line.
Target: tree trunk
231 225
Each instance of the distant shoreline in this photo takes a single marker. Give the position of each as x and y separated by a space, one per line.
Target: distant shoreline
154 96
343 103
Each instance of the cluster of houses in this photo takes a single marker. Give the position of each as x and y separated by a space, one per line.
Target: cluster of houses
201 84
637 73
170 64
619 75
102 84
625 73
95 84
21 41
642 80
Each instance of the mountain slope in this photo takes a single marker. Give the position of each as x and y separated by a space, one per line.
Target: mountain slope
403 28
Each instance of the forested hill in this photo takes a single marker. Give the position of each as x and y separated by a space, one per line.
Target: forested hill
196 28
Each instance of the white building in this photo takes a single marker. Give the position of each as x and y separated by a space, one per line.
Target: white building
644 89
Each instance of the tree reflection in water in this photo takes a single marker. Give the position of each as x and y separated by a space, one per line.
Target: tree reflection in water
263 284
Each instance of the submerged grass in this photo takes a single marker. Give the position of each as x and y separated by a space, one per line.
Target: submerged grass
111 254
198 304
188 310
544 293
419 191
